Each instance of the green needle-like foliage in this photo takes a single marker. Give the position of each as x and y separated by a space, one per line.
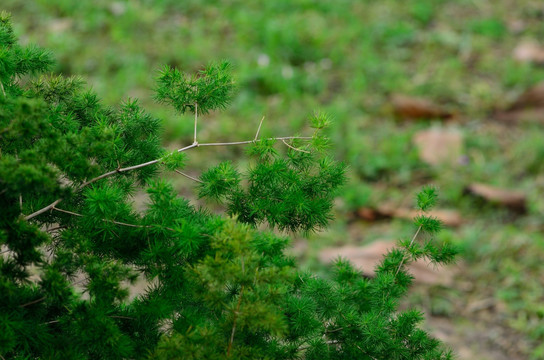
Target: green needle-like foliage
72 243
210 89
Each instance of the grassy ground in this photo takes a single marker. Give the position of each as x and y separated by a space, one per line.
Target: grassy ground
350 58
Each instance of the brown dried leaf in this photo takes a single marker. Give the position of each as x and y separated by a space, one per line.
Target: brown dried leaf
532 98
513 199
439 146
366 258
529 51
447 217
371 214
528 107
520 116
408 107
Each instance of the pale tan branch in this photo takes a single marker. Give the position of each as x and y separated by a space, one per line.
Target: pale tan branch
252 141
411 242
50 230
107 220
189 176
329 342
294 148
51 322
258 129
122 170
196 121
66 211
42 210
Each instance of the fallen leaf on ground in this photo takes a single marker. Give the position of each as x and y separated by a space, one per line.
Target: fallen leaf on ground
528 107
439 146
365 258
448 217
531 98
529 51
408 107
513 199
520 116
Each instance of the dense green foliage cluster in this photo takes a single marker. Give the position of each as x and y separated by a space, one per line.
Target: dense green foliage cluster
72 241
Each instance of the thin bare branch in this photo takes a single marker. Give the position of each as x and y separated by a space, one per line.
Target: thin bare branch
258 129
121 317
358 347
329 342
66 211
55 228
122 170
189 176
294 148
45 209
188 147
334 330
51 322
3 90
108 220
196 121
411 242
234 321
20 194
252 141
33 302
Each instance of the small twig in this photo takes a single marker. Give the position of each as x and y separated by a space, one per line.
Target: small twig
252 141
108 220
45 209
258 129
66 211
234 321
294 148
51 322
17 159
55 228
196 120
33 302
189 176
121 317
80 281
2 87
364 352
411 242
334 330
329 342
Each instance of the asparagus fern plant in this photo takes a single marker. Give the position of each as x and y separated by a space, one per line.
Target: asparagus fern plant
72 241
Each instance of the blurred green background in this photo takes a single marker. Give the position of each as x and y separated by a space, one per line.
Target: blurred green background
397 77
